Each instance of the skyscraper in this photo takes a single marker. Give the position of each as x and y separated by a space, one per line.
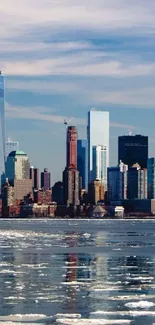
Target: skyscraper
45 179
34 175
2 124
82 161
137 182
151 178
98 135
133 149
11 146
71 174
117 182
100 165
17 166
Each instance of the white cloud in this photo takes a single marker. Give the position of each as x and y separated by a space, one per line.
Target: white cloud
35 113
99 15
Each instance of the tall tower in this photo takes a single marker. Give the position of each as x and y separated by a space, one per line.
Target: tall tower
71 174
82 161
98 135
133 149
2 124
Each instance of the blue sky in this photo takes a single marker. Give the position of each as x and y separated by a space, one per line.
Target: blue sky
61 58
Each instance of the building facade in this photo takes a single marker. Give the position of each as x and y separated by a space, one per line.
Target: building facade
46 179
82 161
117 182
137 183
98 135
2 124
11 146
17 166
71 173
151 178
100 165
34 175
133 149
96 192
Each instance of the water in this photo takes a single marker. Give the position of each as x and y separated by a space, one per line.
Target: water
77 272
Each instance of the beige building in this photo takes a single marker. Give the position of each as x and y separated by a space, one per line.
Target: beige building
96 192
17 166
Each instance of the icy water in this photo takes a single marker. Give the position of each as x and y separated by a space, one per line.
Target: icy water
77 272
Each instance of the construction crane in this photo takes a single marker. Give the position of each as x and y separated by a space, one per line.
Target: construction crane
67 122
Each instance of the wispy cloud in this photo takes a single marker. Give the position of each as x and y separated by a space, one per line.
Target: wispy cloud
32 113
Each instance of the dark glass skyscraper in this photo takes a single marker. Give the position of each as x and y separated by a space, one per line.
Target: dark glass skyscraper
133 149
2 124
82 161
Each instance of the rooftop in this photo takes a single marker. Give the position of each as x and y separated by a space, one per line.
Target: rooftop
17 153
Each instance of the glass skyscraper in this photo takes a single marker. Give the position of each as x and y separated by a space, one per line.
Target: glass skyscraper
100 164
133 149
151 178
2 124
82 161
98 135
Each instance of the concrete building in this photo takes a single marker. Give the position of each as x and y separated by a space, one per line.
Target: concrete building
22 188
117 182
151 178
133 149
82 161
95 192
17 166
57 193
42 197
34 175
100 165
45 180
98 135
71 173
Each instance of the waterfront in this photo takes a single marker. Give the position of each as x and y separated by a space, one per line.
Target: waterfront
92 271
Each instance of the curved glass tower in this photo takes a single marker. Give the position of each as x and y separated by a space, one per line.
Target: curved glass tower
2 124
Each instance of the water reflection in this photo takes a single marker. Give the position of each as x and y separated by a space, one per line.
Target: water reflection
57 271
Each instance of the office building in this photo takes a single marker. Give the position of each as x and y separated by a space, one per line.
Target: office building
100 165
45 180
82 161
151 178
57 193
11 146
71 173
117 182
34 175
2 124
137 182
95 192
98 135
133 149
17 166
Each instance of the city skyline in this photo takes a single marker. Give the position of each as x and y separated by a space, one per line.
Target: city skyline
60 68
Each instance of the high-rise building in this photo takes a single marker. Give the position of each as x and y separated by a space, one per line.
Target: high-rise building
17 166
98 135
11 146
100 164
96 192
117 182
137 182
71 173
82 161
45 180
2 124
34 175
133 149
151 178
